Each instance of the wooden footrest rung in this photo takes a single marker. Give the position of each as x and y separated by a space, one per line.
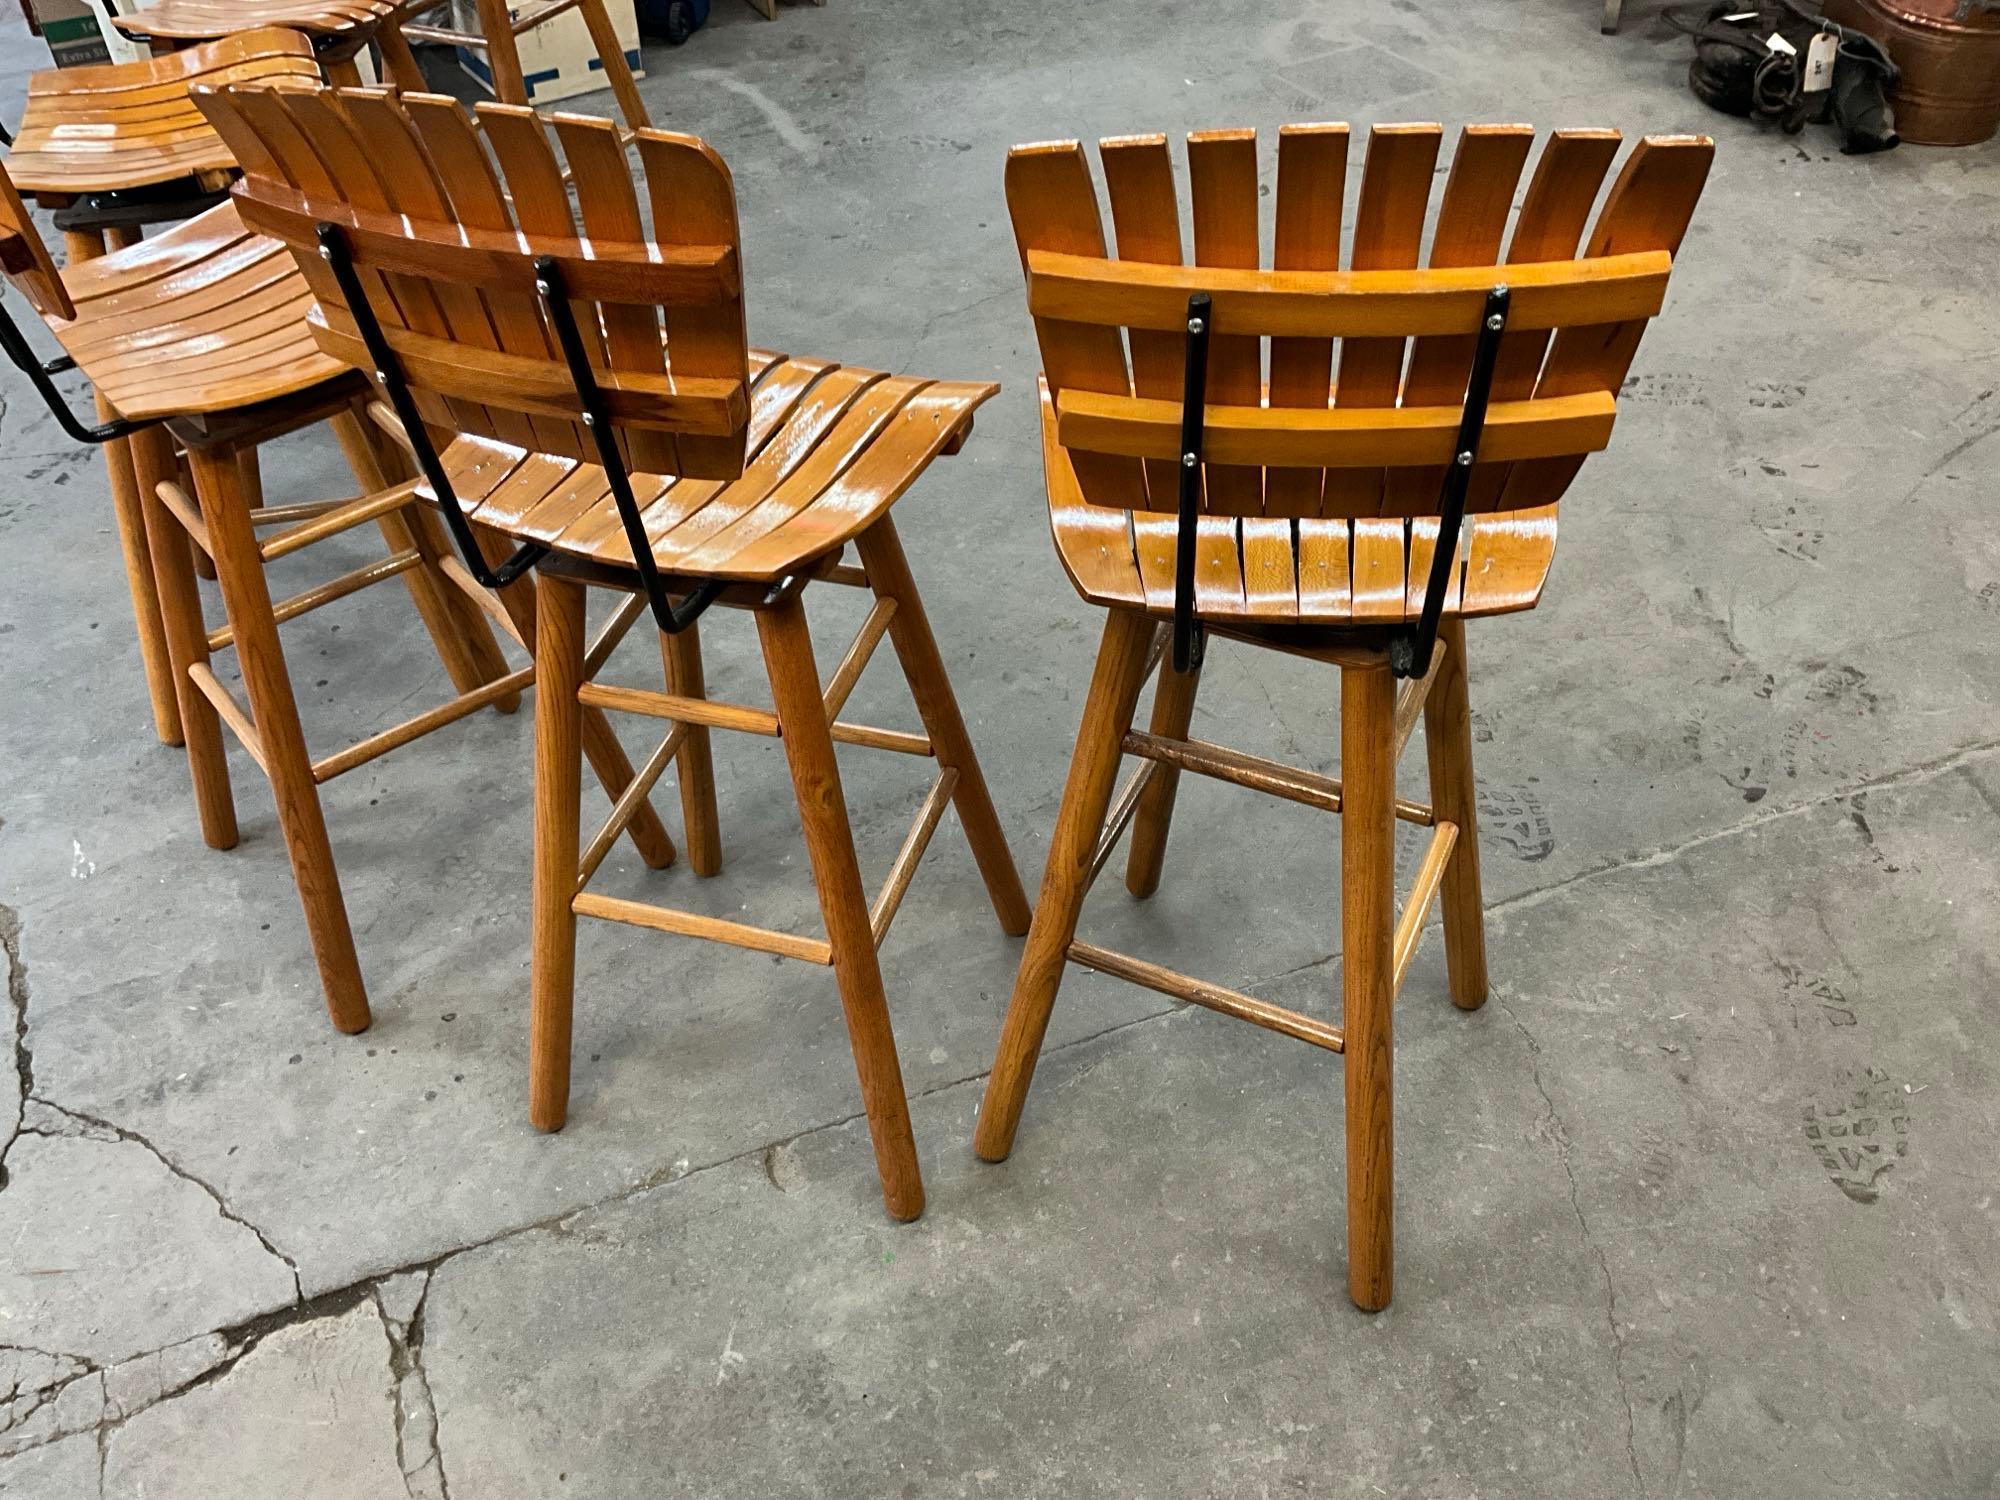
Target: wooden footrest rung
1123 806
855 661
185 511
230 711
334 588
398 735
715 929
745 720
479 594
1410 700
1257 773
1410 925
342 517
1211 996
626 808
890 898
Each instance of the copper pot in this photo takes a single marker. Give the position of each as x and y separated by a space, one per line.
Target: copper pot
1949 54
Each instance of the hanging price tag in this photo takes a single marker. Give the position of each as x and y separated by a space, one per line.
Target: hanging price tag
1820 58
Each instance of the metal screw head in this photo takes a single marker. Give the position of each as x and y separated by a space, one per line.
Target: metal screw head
589 420
1195 325
1189 460
1465 459
544 288
1496 322
383 376
326 252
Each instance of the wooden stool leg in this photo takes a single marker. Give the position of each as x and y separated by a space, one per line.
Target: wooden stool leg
465 646
1448 739
795 690
1367 922
1173 711
275 711
252 474
503 58
399 63
604 37
889 575
680 655
601 747
187 637
1107 714
129 516
204 565
559 649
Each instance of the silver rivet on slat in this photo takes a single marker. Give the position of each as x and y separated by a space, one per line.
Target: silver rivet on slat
1496 322
1194 325
589 420
1465 459
1189 460
326 252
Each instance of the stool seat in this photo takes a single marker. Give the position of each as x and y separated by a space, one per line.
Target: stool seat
118 126
205 317
831 448
1356 572
199 20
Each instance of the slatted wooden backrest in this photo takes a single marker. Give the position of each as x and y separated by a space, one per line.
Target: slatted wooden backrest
1293 428
25 256
420 192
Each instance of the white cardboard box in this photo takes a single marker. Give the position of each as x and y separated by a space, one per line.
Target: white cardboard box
557 59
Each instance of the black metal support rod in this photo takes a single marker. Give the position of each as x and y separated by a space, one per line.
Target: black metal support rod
389 372
1190 641
38 372
1410 655
671 618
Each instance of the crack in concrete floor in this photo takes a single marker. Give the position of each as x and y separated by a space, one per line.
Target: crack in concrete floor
405 1336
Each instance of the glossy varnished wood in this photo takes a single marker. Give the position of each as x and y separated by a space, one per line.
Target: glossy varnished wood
1320 491
118 126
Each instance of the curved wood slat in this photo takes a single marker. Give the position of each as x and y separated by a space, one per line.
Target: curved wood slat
841 446
205 319
1090 291
456 285
202 20
1338 438
126 125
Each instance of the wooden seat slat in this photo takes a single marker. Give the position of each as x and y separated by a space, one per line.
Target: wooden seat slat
119 126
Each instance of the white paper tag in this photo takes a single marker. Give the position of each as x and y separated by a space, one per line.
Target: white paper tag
1776 43
1820 57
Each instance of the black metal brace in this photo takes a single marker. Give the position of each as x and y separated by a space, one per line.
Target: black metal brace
334 251
38 372
1190 640
670 617
1410 655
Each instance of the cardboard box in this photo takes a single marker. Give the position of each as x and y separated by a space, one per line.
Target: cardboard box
79 33
557 59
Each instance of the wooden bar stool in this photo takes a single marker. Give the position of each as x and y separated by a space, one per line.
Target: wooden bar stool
340 30
1354 522
498 36
199 336
619 429
130 129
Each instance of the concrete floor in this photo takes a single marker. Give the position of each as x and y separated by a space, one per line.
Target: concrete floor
1702 1204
